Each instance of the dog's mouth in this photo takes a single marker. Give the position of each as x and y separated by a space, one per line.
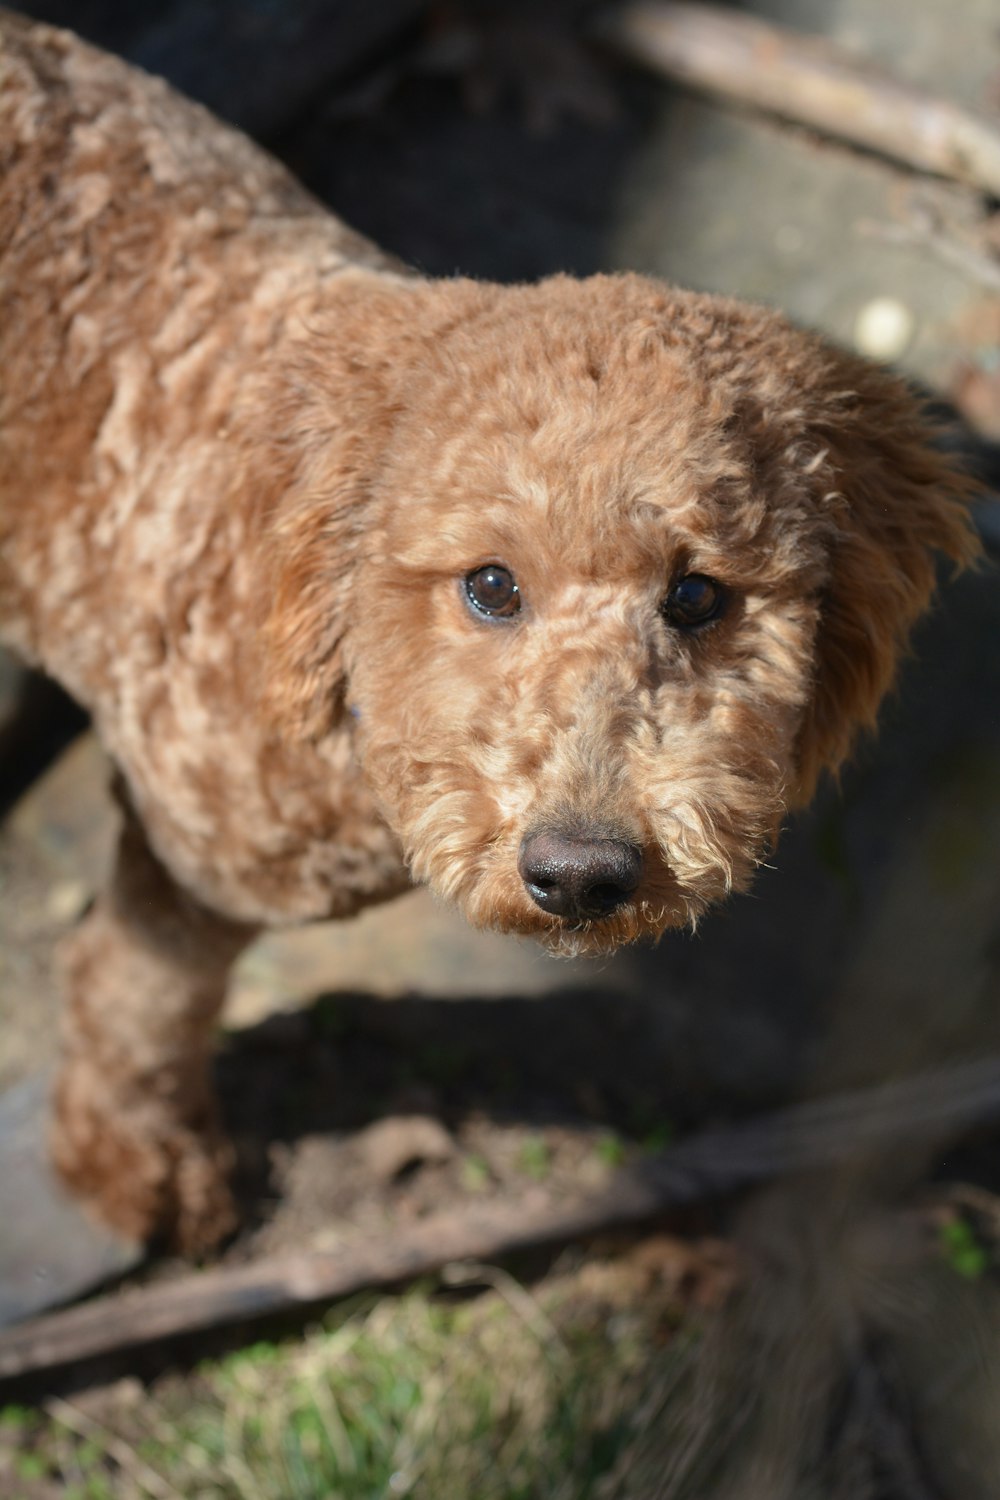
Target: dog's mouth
596 937
575 885
578 907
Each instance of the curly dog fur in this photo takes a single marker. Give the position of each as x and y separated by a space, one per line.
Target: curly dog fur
251 472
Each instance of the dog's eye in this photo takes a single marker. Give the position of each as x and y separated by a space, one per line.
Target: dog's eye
492 591
694 600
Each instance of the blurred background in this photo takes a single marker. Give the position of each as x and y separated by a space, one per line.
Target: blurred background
858 1354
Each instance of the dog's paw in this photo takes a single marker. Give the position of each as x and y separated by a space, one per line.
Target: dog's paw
146 1176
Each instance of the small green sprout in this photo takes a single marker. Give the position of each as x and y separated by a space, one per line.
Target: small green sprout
963 1251
535 1157
610 1149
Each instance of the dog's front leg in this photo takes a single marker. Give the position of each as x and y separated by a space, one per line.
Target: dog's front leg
135 1131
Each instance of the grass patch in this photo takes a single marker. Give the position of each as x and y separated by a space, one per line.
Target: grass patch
503 1396
535 1157
963 1250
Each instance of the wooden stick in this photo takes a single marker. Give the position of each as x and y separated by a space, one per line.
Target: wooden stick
815 1134
810 81
235 1294
925 229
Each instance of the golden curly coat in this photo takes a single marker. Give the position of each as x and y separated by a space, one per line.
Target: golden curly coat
555 597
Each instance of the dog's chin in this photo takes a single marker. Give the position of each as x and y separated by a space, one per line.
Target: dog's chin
599 937
506 907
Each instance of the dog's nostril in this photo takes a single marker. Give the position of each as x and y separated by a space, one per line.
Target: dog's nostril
607 895
578 877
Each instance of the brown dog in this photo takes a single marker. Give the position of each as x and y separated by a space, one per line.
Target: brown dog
555 597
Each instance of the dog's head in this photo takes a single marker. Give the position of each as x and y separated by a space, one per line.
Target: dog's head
611 573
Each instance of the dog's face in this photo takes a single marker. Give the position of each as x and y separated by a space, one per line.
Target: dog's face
618 603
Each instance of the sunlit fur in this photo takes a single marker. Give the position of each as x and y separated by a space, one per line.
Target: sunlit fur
601 439
247 461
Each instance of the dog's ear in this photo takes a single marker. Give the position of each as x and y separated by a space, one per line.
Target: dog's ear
892 502
332 409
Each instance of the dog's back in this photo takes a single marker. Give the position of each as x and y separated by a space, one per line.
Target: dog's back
149 257
155 268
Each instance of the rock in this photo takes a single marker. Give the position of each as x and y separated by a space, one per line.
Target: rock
55 847
390 1146
50 1250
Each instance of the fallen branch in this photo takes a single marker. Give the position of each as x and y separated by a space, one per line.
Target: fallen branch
816 1134
924 229
809 81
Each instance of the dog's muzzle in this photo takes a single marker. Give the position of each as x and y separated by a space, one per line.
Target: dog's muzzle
578 877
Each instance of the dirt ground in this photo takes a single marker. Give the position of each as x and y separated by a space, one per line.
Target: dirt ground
375 1072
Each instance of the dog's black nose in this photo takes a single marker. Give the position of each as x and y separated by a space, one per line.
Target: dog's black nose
578 877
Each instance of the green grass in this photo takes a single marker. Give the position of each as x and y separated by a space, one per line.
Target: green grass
963 1250
535 1157
500 1397
610 1149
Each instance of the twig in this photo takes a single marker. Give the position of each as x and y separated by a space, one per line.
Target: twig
124 1455
925 231
816 1134
810 81
520 1301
